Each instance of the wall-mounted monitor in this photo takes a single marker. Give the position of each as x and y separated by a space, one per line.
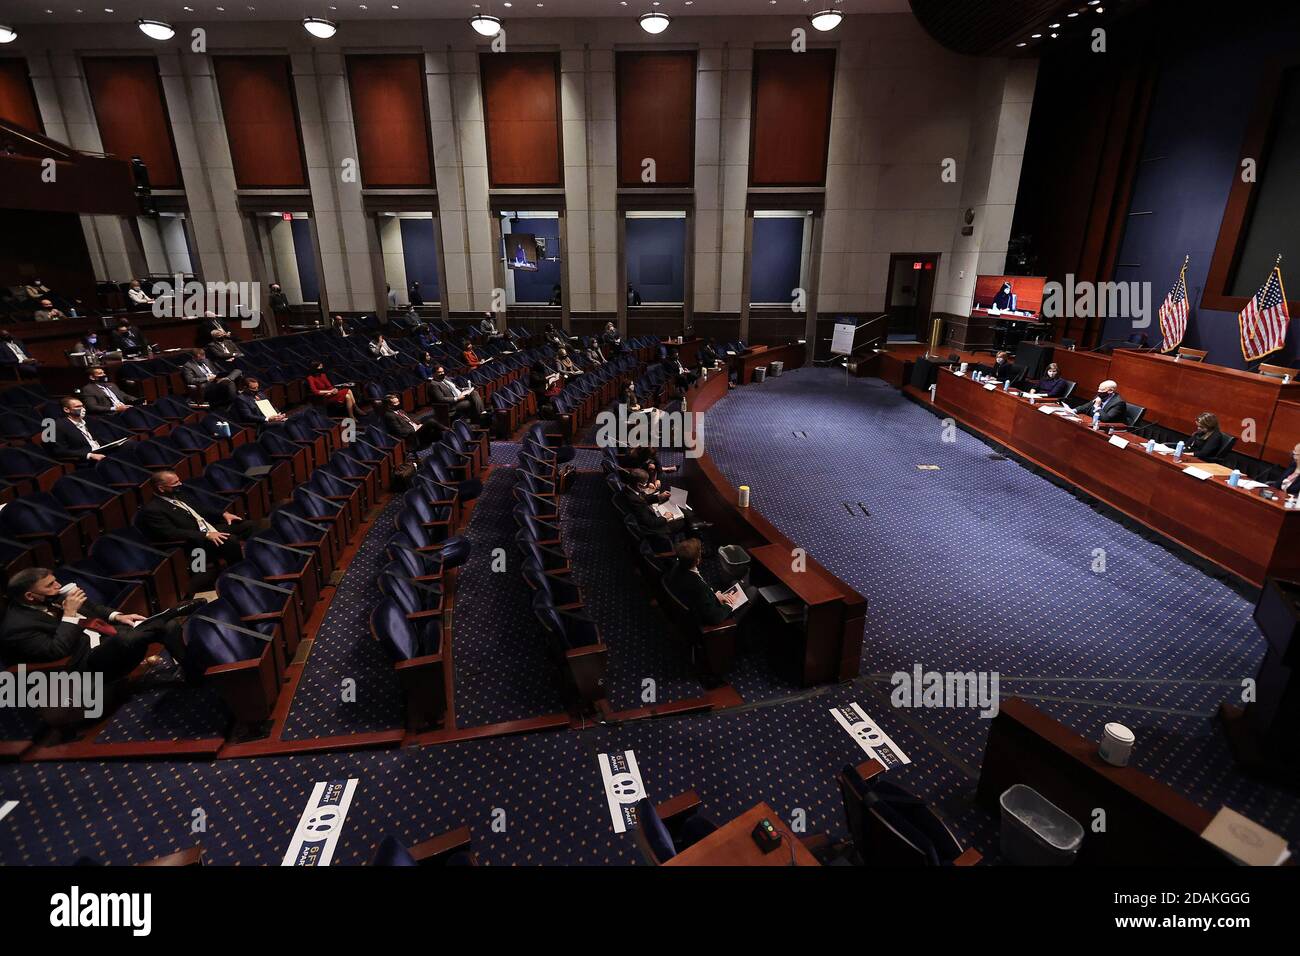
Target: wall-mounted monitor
1009 297
522 251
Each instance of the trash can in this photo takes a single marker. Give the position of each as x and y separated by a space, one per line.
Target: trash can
734 561
1035 831
777 368
760 373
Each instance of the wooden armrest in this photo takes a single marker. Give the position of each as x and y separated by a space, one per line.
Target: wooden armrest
678 806
442 845
248 665
717 628
423 615
869 769
191 857
968 858
417 662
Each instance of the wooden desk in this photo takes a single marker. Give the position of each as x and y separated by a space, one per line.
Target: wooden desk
1234 528
731 845
688 350
830 644
744 364
1086 369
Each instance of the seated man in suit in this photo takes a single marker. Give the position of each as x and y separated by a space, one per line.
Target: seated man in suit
463 401
129 340
649 504
419 432
685 582
709 354
102 397
224 350
213 385
245 408
380 348
14 355
73 440
173 514
47 312
1108 406
43 624
1208 442
683 376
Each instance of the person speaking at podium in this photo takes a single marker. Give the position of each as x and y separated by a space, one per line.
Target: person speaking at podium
1109 408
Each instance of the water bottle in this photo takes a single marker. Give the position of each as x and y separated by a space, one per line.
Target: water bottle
1151 446
1235 478
1006 385
1096 420
1178 451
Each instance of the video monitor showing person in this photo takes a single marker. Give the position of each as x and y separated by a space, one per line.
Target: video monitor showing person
1015 297
522 251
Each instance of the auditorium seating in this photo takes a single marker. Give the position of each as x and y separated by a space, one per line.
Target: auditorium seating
890 827
666 829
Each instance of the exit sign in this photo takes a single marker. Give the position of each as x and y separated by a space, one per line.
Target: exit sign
288 217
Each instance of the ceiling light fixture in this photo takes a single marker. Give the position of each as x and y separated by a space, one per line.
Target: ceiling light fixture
825 20
484 25
156 29
319 27
8 34
655 23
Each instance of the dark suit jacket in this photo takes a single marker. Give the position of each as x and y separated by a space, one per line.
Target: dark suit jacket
7 356
69 444
162 521
1115 410
646 516
131 342
396 425
245 411
196 376
208 326
224 350
694 592
1292 476
96 401
1211 448
32 635
443 391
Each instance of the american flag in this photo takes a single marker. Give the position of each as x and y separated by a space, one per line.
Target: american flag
1264 319
1173 313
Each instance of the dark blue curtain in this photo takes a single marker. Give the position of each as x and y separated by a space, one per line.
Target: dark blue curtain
777 253
304 251
420 253
656 258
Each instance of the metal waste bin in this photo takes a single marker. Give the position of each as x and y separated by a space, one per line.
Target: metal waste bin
1035 831
734 561
777 368
760 373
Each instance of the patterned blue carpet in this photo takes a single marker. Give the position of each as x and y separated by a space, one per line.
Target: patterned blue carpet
979 565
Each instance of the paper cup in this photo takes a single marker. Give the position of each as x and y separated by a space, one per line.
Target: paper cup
1116 744
744 496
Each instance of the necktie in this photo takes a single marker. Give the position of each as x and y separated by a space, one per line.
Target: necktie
81 427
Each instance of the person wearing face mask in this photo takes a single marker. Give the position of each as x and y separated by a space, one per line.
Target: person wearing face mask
1208 442
129 340
610 338
139 299
14 355
380 348
92 351
420 432
175 514
73 439
44 624
245 407
593 354
463 401
1290 482
471 357
102 397
565 365
1051 385
1108 405
48 313
339 399
213 386
1002 369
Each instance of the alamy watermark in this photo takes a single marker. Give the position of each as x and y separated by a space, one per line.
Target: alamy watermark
191 299
949 689
40 689
1101 300
651 428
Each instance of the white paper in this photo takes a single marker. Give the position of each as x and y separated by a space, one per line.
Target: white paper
1118 442
990 387
1048 409
733 597
668 510
1162 449
266 408
1249 484
677 496
1197 472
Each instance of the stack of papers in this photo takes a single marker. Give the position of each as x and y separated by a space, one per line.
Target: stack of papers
733 597
677 496
668 510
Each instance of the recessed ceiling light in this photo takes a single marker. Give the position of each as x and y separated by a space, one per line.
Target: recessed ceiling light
1055 35
319 27
8 34
654 23
485 25
110 9
1022 44
156 29
1035 36
1054 26
1071 16
824 20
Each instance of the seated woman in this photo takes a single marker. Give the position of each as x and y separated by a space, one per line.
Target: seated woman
634 409
471 358
565 365
593 354
544 384
1208 442
1051 384
338 399
91 348
644 458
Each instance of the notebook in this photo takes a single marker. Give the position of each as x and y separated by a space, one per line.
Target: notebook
733 597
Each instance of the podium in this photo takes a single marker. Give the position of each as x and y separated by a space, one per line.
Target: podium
1265 734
